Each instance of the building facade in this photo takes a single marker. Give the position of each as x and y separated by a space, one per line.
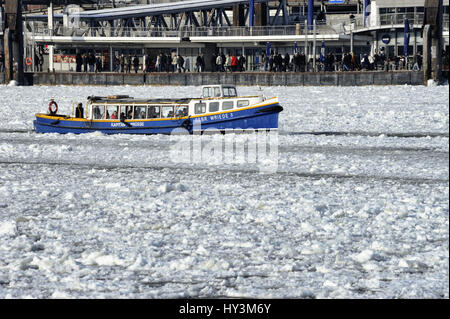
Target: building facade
198 29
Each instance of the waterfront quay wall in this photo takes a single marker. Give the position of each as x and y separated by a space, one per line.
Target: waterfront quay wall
360 78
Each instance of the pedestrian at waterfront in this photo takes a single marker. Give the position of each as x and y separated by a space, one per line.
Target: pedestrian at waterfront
148 63
365 62
91 62
271 63
219 63
180 64
223 58
174 59
116 64
200 63
287 61
302 62
347 62
98 65
371 63
234 63
163 62
136 63
128 62
36 62
78 61
228 63
265 61
187 65
41 61
278 61
213 63
122 63
241 63
158 62
296 62
85 62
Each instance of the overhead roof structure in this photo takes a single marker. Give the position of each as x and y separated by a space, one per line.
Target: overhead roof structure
212 12
161 8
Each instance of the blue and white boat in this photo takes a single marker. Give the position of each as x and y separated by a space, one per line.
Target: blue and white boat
219 108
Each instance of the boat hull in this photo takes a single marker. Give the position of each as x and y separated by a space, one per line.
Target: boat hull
257 118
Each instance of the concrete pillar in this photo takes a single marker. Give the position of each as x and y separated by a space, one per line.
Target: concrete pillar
50 18
51 52
306 42
111 59
426 53
13 42
8 55
314 45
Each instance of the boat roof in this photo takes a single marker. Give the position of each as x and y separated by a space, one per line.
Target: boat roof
124 99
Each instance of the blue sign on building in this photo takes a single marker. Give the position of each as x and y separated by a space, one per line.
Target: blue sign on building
337 1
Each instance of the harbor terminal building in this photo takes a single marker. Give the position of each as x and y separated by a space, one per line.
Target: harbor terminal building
56 31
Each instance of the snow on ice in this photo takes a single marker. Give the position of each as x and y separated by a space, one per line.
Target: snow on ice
361 212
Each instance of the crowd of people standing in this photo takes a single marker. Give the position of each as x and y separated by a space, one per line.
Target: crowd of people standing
332 62
221 62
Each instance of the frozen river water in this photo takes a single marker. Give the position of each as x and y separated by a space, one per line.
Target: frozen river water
357 208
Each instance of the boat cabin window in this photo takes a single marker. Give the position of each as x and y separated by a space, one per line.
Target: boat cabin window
243 103
229 91
207 92
228 105
167 111
98 111
211 92
126 112
112 112
214 106
153 112
200 108
139 112
182 110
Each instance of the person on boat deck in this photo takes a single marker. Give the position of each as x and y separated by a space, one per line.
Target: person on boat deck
130 114
142 115
97 114
106 115
79 111
114 115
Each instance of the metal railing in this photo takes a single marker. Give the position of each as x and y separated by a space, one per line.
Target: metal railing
335 27
399 18
182 32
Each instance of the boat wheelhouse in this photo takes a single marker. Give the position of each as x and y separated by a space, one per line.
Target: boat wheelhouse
219 107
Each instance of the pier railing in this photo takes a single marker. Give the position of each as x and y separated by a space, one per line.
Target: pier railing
335 26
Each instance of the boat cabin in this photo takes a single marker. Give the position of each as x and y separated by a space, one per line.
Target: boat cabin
125 108
218 91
